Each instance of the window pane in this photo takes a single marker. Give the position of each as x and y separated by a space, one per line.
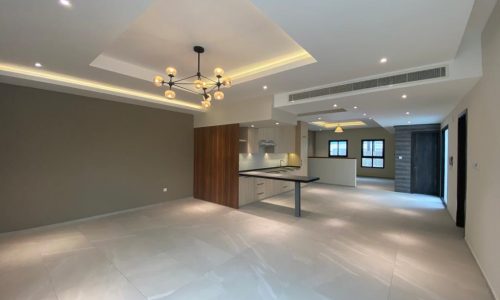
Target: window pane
366 162
378 148
343 148
367 148
378 162
334 148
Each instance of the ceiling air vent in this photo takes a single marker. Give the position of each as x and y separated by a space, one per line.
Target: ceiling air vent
372 83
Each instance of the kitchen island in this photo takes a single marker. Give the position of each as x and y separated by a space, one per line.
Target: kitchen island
281 175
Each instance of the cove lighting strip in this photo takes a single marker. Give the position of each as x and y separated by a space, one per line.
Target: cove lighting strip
65 80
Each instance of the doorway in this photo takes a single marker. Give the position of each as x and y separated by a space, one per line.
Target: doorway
444 165
425 163
461 169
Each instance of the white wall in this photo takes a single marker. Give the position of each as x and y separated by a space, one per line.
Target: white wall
227 112
334 170
483 188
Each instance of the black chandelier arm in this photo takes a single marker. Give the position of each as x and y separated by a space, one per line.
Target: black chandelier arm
186 78
187 90
209 79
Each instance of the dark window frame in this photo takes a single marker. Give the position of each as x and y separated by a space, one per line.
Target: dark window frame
372 156
346 148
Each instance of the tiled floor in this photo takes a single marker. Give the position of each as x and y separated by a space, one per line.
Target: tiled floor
364 243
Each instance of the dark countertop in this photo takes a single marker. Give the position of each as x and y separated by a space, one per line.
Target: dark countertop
270 168
331 157
278 176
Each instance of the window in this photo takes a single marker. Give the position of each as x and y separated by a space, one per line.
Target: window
337 148
372 153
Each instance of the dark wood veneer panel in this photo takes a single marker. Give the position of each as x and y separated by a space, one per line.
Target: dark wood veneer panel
216 164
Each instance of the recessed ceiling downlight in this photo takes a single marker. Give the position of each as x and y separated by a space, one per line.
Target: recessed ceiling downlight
404 96
65 3
383 60
38 65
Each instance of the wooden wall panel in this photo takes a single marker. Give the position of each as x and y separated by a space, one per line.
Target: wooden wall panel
216 164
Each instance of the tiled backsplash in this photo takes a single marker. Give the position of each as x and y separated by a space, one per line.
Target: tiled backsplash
261 160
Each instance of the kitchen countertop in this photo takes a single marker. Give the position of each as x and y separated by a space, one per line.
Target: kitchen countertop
270 168
277 176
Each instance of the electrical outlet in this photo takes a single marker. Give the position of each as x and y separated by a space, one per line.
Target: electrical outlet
165 189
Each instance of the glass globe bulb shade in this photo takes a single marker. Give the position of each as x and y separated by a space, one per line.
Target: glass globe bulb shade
206 103
158 81
218 71
226 82
198 84
170 94
171 71
219 95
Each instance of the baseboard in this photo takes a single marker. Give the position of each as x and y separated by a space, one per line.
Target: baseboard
481 269
26 230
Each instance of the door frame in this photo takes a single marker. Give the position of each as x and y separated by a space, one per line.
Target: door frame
462 171
444 160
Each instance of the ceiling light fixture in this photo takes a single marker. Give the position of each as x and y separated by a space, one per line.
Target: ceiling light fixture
203 85
339 129
65 3
38 65
383 60
264 87
364 114
335 105
319 118
404 96
355 107
277 123
407 113
252 126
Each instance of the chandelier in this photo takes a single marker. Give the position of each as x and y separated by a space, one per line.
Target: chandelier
202 85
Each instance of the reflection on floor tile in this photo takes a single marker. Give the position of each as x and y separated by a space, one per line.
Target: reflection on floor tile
351 243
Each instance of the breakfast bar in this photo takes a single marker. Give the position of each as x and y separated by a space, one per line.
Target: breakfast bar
284 177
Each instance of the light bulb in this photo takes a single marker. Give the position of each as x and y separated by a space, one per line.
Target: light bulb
218 71
171 71
206 104
198 84
170 94
158 81
219 95
226 82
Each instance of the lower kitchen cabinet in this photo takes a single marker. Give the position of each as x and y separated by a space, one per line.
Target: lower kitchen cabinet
255 189
247 193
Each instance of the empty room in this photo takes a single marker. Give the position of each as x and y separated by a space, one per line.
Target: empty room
249 149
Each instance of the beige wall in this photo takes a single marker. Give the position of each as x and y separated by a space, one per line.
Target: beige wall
354 136
483 188
65 157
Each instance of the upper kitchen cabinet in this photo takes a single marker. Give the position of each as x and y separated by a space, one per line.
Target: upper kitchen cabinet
284 139
249 140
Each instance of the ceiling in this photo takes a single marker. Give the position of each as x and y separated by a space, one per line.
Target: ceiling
344 40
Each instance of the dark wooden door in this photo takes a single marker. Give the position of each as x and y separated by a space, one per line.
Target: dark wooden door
461 169
425 163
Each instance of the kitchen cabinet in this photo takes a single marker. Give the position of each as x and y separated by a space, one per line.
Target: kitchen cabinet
249 141
247 190
255 189
283 137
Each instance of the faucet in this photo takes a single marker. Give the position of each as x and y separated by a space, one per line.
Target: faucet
281 162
